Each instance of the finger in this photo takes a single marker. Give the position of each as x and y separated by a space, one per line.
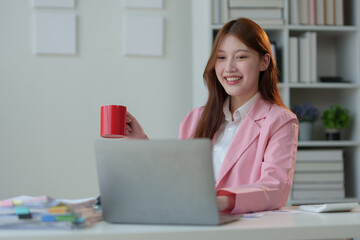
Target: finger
129 115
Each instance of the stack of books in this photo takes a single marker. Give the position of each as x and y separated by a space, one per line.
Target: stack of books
263 12
317 12
303 58
43 212
319 174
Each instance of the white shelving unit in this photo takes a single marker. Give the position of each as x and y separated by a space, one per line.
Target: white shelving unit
338 49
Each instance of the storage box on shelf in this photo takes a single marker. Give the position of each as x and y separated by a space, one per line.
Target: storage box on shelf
337 47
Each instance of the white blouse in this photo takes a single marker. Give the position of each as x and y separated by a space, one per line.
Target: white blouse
227 131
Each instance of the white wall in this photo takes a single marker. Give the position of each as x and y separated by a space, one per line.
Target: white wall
49 105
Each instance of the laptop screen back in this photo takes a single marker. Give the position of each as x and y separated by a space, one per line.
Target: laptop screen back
156 181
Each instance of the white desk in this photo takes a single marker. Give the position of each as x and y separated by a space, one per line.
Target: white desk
289 226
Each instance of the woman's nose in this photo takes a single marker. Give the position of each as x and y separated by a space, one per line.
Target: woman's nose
230 65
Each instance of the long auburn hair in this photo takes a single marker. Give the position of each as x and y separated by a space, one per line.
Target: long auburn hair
254 37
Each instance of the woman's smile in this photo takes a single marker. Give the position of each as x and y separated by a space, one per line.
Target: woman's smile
231 80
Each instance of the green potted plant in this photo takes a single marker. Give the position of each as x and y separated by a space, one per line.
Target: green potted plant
334 119
306 114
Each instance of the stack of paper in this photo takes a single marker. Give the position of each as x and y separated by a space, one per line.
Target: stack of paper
43 212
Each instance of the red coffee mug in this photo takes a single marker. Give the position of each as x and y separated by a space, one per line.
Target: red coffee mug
113 121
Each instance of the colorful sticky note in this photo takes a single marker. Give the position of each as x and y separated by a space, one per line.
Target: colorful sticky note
6 203
17 202
59 209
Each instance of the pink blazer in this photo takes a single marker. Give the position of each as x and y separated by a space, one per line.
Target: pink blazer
259 165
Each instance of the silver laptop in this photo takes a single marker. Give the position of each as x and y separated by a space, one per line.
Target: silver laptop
157 182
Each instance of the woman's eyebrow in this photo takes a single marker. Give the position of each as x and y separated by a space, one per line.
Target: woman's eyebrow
238 50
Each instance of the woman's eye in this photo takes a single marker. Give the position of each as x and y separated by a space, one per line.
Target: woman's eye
220 57
240 57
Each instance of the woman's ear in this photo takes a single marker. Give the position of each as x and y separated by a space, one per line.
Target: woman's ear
265 61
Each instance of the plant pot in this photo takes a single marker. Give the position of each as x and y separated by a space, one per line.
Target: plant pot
305 131
332 134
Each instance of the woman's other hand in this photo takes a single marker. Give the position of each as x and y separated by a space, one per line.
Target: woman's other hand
225 203
133 128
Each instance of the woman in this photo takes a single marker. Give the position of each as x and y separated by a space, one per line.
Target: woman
254 135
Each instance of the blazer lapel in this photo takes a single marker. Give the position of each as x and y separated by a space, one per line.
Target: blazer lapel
247 133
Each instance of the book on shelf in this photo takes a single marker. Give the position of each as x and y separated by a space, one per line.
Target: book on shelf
304 57
220 11
318 194
216 14
307 57
256 3
303 12
316 12
268 21
293 58
319 166
224 11
339 12
319 155
317 186
313 57
256 13
320 12
318 177
294 12
319 174
263 12
311 8
329 12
